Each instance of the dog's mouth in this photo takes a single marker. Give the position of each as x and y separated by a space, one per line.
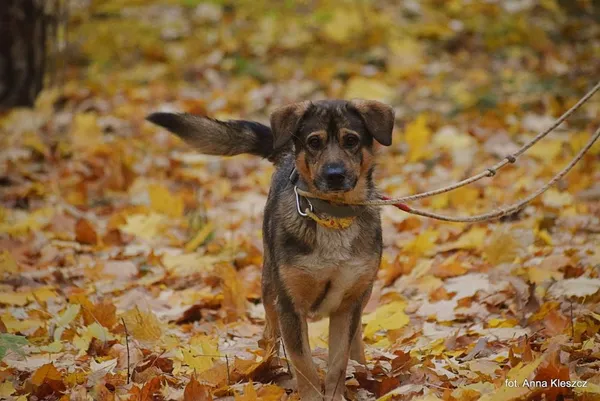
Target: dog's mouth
326 187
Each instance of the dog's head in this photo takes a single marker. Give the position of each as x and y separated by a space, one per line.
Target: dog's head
334 142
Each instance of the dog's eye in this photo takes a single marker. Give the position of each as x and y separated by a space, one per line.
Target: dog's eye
350 141
314 142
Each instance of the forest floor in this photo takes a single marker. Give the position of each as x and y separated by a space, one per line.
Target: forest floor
130 265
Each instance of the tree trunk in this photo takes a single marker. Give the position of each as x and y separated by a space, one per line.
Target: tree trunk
23 30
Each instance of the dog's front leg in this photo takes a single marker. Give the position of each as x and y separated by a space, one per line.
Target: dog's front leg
343 326
294 331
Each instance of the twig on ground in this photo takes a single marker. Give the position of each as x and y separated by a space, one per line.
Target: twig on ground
127 345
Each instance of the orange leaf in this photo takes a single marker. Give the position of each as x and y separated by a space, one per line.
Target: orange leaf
452 269
555 322
194 391
217 376
44 374
234 298
270 392
85 232
150 389
553 369
103 313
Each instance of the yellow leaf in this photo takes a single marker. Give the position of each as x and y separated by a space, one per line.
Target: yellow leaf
387 317
502 323
200 237
100 332
249 393
33 141
143 326
368 88
82 343
406 56
43 294
68 315
518 374
546 150
464 197
472 239
8 264
85 131
163 202
318 333
545 236
538 275
402 392
440 201
144 226
198 362
205 345
7 389
234 297
423 243
418 137
52 348
22 223
345 23
435 347
502 247
14 325
14 298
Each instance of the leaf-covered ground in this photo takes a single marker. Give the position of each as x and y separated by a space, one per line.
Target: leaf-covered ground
130 265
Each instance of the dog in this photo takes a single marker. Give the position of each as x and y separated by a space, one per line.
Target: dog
313 266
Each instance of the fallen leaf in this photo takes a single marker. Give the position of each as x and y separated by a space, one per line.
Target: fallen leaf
368 88
7 389
387 317
144 226
163 202
8 264
575 287
194 391
418 137
143 326
85 232
249 393
11 342
46 373
234 298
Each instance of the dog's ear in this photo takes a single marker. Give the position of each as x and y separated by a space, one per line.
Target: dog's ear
284 121
378 117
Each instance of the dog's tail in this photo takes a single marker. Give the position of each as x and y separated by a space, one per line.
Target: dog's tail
215 137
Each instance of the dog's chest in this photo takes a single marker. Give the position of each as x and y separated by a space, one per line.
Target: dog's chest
320 281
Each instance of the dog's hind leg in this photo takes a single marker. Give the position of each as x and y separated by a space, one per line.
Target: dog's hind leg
271 334
357 349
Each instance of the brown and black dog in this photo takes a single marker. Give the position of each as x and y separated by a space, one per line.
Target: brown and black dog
310 269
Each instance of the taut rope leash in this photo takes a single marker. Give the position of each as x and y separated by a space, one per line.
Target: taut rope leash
489 172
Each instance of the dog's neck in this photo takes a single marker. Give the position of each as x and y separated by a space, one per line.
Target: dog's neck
321 206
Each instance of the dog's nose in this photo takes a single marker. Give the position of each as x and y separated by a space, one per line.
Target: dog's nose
335 175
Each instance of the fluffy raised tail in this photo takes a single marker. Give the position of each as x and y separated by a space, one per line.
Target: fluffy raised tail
215 137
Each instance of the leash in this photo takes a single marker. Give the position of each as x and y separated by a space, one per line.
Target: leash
489 172
338 216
